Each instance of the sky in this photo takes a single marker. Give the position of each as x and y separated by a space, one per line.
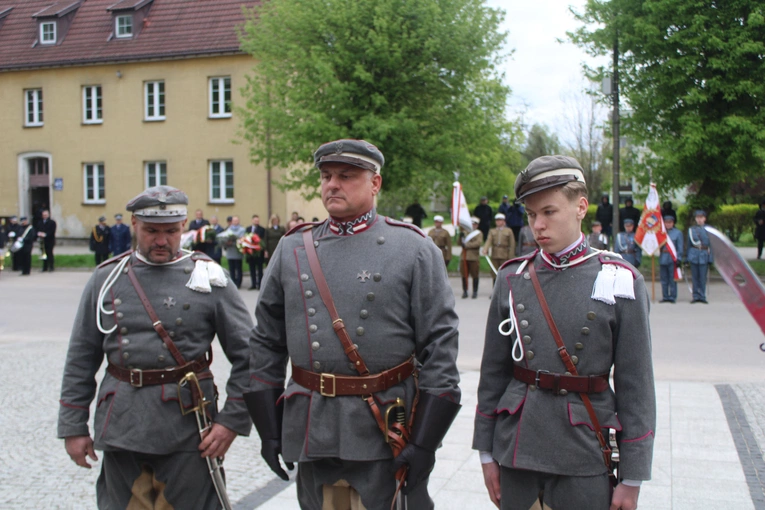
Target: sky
542 71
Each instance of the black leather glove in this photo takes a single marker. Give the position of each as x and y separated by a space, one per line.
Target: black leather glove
270 450
420 462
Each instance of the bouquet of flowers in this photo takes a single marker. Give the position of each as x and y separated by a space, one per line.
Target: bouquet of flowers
249 244
205 234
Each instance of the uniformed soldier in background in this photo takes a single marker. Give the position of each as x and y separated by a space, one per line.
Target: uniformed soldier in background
29 235
542 396
526 242
100 240
667 264
699 257
152 456
625 245
441 238
470 259
597 239
500 245
12 231
394 330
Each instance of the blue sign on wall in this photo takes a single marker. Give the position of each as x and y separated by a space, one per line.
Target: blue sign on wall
58 184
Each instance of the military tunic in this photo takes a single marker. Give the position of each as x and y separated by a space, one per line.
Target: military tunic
443 242
625 245
394 302
598 241
667 265
471 253
527 428
699 257
501 241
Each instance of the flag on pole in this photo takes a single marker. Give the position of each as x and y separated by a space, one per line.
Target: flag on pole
651 233
460 213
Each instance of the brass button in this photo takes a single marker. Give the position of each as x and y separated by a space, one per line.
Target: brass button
520 308
377 277
164 345
591 315
125 341
186 306
363 314
585 330
187 270
126 270
356 346
371 296
160 358
524 323
566 373
364 386
579 346
311 312
575 360
125 355
171 334
526 339
123 330
526 276
316 365
120 315
178 321
309 293
315 346
380 240
304 277
529 355
313 328
563 393
117 302
360 331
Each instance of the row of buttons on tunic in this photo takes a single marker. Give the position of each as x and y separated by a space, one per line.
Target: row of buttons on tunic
520 308
126 341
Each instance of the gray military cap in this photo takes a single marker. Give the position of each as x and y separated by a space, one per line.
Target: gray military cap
160 204
101 219
353 152
546 172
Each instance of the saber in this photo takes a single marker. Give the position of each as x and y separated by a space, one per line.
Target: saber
739 275
494 269
213 464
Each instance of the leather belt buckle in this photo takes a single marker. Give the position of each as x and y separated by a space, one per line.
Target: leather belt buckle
536 378
322 389
136 377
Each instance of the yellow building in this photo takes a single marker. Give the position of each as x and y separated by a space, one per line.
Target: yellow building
103 98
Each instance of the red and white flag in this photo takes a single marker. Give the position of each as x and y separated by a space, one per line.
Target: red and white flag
651 233
460 212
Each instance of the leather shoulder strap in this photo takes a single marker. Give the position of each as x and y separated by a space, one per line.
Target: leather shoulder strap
604 446
337 323
161 331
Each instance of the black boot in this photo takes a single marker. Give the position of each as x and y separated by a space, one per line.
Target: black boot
464 288
475 288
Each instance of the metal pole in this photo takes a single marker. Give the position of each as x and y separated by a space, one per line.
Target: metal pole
615 123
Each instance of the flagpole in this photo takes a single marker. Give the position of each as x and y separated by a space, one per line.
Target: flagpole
653 279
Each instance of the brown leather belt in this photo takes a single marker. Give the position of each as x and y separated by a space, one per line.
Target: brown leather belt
139 378
557 382
331 385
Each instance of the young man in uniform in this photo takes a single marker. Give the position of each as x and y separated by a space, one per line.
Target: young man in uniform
625 245
560 320
667 263
597 239
153 457
501 243
441 238
470 259
699 257
357 303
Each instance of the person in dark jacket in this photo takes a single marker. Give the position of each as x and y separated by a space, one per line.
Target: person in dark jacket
99 240
28 234
759 228
666 210
485 214
605 215
273 234
11 233
46 230
120 239
628 212
255 261
417 213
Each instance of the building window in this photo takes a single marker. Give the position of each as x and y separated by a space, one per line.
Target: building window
155 100
91 105
94 183
221 181
124 26
156 174
33 107
48 32
220 97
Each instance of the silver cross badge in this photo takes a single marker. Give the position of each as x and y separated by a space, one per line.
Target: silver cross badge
364 276
169 302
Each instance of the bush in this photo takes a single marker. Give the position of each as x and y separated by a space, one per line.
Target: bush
733 220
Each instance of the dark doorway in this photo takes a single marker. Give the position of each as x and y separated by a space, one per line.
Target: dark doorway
39 187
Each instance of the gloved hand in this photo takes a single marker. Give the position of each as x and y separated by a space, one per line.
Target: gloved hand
270 450
420 461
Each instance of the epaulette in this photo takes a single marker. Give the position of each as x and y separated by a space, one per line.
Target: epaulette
198 255
608 257
396 223
528 256
114 259
300 227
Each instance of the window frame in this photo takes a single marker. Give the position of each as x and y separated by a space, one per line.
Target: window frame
117 27
53 24
94 104
150 167
99 197
37 111
157 104
223 197
220 100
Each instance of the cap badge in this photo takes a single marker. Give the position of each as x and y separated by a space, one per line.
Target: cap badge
363 276
339 148
169 302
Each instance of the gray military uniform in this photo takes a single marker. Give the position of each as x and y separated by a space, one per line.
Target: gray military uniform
390 289
526 428
148 419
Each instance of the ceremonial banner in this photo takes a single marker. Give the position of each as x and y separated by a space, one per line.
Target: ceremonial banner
651 233
460 213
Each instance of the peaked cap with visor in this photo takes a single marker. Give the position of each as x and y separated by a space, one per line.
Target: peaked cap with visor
358 153
547 172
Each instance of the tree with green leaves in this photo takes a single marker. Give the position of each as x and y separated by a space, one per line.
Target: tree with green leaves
417 78
693 74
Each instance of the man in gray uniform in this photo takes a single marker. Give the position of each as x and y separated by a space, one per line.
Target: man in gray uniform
154 331
544 399
699 257
372 338
625 245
